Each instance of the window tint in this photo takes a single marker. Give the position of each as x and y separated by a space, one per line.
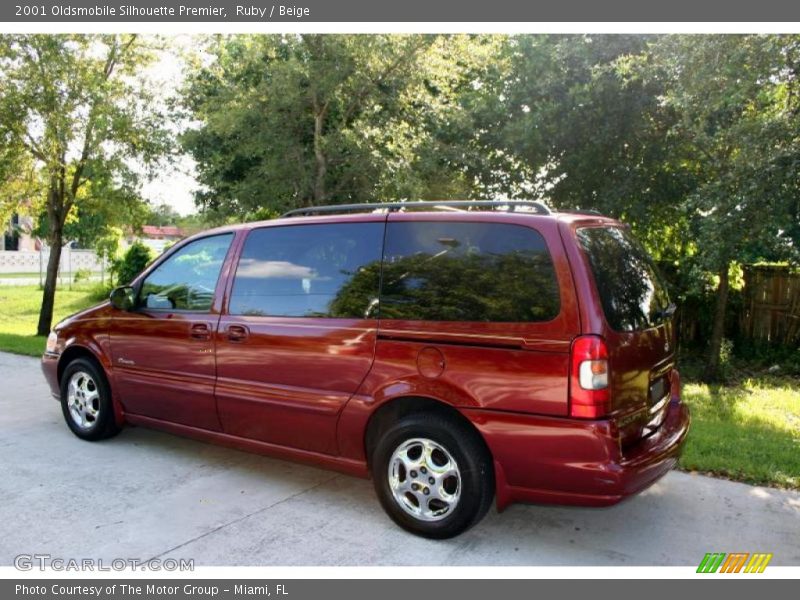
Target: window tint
631 291
330 270
187 279
445 271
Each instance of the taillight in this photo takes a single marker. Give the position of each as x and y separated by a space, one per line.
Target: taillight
588 379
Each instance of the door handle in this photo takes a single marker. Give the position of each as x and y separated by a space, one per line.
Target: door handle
200 331
237 333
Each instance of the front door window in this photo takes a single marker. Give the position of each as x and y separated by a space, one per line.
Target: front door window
186 280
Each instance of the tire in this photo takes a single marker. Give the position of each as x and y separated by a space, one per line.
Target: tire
447 465
86 401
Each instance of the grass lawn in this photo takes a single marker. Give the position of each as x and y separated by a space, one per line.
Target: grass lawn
19 314
18 275
35 275
749 431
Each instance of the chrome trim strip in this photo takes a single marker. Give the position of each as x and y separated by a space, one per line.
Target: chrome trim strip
659 405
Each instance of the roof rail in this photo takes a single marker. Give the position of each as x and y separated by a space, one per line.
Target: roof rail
507 205
582 211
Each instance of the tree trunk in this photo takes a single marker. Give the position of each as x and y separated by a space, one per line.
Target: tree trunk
718 328
56 239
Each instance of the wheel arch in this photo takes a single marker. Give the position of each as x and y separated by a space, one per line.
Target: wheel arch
397 408
75 351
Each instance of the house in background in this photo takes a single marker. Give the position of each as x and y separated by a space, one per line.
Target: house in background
17 237
157 237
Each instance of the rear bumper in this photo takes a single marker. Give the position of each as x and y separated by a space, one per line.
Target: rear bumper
567 461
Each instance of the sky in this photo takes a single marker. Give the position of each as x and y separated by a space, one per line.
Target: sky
176 184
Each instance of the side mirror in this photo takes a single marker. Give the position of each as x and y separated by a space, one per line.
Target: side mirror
123 298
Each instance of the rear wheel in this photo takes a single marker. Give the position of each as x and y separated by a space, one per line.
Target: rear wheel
86 401
433 475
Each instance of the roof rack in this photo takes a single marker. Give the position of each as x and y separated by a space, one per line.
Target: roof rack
507 205
582 211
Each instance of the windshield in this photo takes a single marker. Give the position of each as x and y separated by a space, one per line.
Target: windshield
631 291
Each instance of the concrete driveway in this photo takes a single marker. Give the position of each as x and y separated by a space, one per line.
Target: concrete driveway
147 494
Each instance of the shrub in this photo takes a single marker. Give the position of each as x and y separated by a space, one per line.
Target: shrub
133 262
100 291
82 275
725 359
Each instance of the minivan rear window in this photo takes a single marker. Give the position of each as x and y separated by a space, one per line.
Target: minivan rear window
462 271
631 291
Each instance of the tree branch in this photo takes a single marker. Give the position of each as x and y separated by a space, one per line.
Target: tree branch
111 63
33 148
391 68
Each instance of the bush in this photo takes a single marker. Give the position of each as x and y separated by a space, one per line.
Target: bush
100 291
133 262
725 359
82 275
762 357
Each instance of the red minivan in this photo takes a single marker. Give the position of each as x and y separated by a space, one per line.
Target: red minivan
453 351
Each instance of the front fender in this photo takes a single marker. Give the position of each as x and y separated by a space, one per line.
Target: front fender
97 347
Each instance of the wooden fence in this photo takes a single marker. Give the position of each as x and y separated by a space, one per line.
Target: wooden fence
771 307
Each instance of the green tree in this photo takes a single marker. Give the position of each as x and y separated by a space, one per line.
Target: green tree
133 262
102 206
584 132
107 247
74 105
691 139
162 215
21 183
737 99
290 121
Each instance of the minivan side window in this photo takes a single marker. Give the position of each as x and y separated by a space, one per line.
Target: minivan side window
324 270
460 271
187 279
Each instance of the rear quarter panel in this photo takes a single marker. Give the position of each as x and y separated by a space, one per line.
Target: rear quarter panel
518 367
636 358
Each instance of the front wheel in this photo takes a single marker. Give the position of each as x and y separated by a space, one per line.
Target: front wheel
433 475
86 401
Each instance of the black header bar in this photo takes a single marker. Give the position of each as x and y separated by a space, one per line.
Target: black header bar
409 11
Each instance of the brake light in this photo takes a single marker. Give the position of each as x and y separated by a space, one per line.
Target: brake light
588 382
